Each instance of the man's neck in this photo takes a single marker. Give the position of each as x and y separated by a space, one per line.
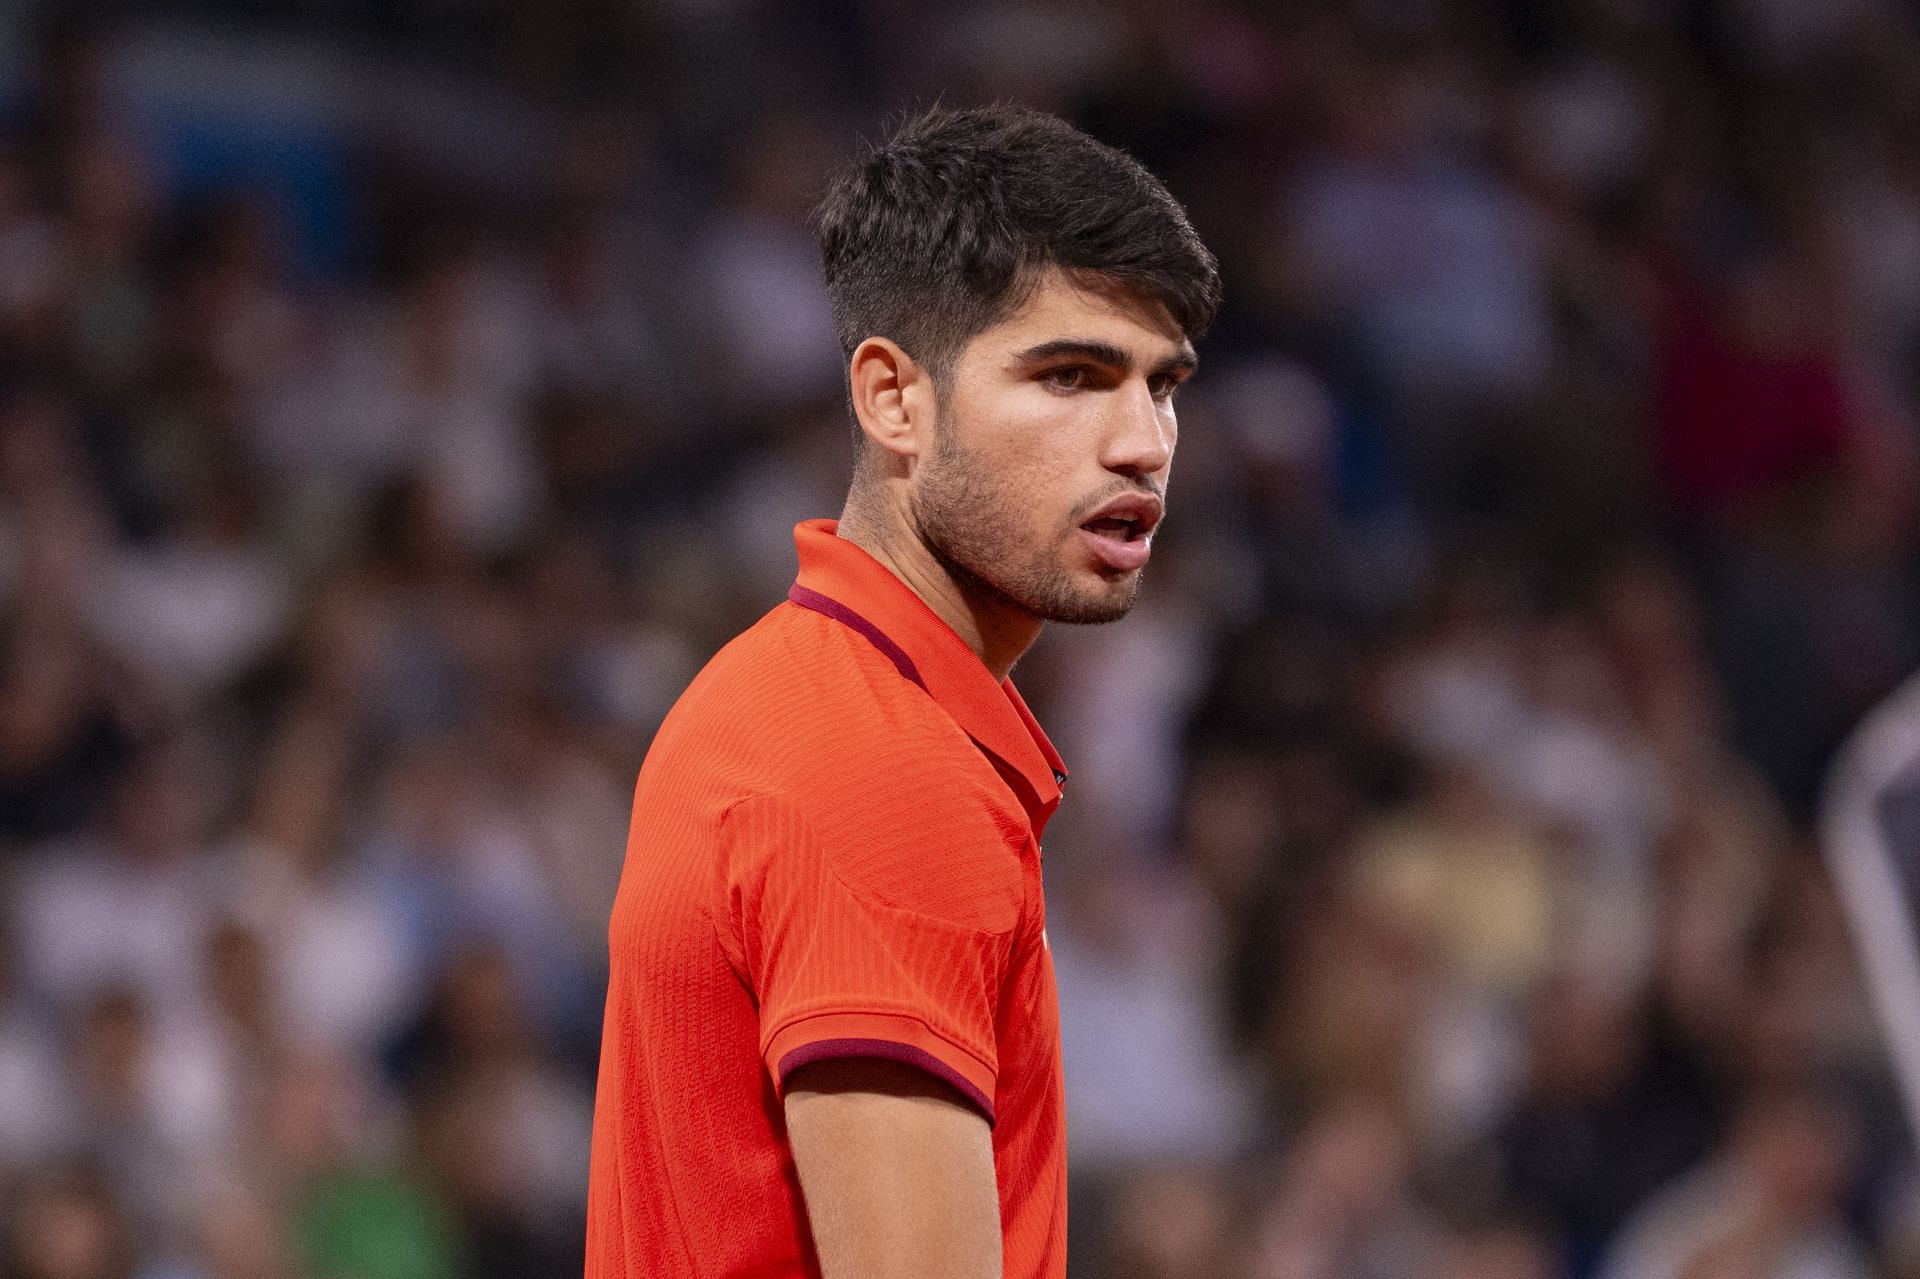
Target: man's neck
996 631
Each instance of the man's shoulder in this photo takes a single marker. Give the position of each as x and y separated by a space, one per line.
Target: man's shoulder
797 679
802 714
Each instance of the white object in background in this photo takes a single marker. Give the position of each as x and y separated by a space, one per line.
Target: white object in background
1870 827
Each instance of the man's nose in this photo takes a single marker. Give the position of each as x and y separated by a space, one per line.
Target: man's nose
1141 437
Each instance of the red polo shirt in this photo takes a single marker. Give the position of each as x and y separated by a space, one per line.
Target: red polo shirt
834 852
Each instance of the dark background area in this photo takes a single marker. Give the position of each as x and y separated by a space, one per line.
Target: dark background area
400 400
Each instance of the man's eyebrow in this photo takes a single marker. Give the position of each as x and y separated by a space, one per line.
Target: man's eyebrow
1098 352
1182 361
1080 348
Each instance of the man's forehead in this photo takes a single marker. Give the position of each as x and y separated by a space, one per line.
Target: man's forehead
1087 304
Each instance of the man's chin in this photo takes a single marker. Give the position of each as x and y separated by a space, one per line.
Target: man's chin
1094 607
1076 598
1092 616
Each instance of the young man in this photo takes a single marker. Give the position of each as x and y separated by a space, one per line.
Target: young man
831 1040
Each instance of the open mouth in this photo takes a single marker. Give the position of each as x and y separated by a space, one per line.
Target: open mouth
1115 527
1120 535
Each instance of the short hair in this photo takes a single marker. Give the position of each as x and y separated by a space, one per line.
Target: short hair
941 231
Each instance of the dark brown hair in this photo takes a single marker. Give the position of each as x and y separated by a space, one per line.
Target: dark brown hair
938 233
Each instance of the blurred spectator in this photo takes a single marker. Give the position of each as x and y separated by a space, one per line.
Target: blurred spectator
1173 1095
761 275
242 1235
153 1102
72 711
508 1134
127 904
1344 1204
65 1224
1172 1223
1605 1117
319 932
34 1101
1499 1251
1769 1205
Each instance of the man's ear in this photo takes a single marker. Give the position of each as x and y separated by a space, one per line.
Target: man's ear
892 397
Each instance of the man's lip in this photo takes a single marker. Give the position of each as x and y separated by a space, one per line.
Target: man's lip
1143 509
1120 556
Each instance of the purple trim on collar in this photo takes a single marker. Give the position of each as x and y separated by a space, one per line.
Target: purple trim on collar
847 617
887 1050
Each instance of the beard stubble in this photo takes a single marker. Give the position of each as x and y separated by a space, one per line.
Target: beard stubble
969 520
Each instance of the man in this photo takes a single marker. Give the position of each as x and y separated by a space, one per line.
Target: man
831 1041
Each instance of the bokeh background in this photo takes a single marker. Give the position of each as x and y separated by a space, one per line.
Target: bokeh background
400 399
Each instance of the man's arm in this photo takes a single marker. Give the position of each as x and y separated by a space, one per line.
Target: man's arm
897 1172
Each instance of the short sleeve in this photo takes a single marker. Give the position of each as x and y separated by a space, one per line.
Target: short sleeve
837 972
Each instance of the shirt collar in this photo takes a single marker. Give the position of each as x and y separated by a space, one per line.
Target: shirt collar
841 580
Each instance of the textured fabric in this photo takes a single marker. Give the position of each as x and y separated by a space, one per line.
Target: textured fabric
834 852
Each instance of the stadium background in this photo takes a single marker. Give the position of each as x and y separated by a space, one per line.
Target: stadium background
399 400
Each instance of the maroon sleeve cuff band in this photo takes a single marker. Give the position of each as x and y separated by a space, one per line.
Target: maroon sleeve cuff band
907 1054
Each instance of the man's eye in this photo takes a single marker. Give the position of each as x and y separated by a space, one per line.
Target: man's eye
1071 378
1163 386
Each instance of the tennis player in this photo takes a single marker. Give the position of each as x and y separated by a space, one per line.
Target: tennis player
831 1042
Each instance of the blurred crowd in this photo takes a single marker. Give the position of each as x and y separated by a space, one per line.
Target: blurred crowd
398 402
